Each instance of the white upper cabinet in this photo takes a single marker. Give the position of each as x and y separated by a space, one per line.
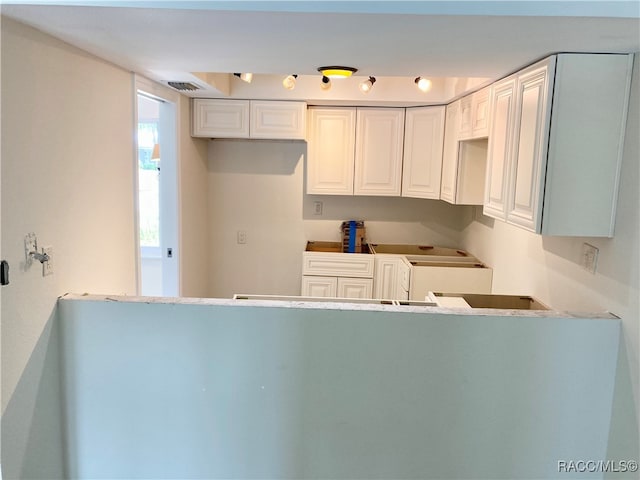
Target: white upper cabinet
215 118
463 161
422 160
331 150
555 146
378 159
498 155
474 115
355 151
275 120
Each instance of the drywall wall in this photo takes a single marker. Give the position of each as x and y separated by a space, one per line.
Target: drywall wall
194 208
67 175
549 267
330 392
259 187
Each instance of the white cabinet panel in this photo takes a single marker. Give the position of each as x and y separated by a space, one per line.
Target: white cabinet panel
220 118
355 287
319 286
331 150
466 120
378 159
480 113
386 278
499 152
278 120
422 159
450 153
530 148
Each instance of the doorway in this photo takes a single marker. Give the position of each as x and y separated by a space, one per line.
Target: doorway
158 250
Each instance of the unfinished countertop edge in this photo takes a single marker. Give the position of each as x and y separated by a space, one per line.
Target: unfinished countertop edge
319 305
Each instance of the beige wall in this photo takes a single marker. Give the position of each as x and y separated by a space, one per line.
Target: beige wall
258 187
67 175
194 208
549 267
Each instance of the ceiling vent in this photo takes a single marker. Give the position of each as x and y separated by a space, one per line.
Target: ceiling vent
183 86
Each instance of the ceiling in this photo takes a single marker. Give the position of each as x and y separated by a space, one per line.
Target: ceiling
483 40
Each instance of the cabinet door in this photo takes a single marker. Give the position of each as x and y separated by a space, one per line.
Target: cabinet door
379 142
466 117
319 286
450 153
355 287
480 112
330 151
278 120
386 278
499 150
530 147
422 159
220 118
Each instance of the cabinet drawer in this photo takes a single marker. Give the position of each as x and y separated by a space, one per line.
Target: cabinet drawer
337 264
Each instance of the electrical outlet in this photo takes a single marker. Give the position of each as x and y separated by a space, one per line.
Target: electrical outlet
47 267
242 237
317 208
589 259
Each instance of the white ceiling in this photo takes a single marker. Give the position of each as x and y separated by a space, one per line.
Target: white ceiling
298 37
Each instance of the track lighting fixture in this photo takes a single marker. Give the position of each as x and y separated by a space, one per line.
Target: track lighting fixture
424 84
247 77
289 82
337 72
367 85
325 84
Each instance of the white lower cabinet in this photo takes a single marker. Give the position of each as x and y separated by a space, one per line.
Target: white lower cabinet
344 275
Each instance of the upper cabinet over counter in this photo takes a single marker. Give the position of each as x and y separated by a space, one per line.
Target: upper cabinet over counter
555 144
265 119
375 151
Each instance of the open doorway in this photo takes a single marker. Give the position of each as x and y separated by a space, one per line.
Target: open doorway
157 197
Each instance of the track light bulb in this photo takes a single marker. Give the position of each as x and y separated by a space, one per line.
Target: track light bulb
367 85
289 82
246 77
424 84
325 84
